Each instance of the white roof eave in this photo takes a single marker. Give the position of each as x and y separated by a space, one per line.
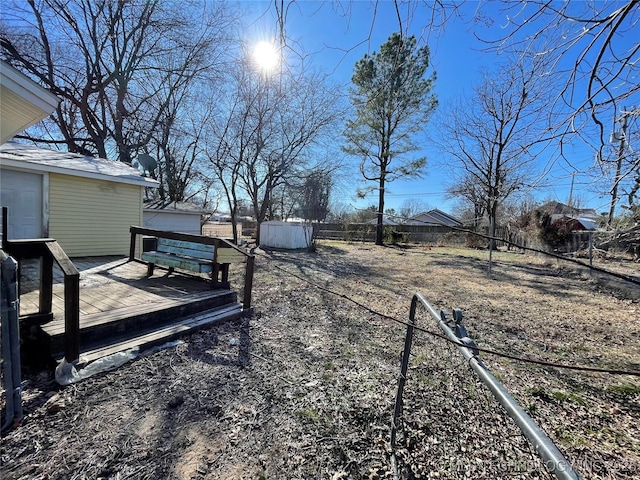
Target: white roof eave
173 211
35 167
34 159
28 89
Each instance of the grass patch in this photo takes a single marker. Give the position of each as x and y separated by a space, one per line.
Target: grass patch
626 390
556 396
309 415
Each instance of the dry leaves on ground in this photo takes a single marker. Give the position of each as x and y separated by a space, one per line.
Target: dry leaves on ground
305 387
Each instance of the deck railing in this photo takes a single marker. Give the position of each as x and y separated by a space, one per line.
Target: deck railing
219 243
50 251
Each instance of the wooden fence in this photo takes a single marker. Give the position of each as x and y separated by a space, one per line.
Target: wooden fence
364 232
441 235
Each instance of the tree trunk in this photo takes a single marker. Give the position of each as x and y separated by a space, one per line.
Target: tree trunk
379 224
492 226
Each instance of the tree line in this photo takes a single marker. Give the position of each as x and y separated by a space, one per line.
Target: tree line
174 80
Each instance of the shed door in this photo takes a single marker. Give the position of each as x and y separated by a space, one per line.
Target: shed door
22 193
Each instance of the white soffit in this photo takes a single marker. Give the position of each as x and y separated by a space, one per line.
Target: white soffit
22 102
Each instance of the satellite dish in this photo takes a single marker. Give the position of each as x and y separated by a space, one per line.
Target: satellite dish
147 162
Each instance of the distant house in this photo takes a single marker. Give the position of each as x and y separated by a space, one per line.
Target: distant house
220 217
182 217
571 217
434 217
87 204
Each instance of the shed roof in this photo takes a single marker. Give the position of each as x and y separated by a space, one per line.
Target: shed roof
30 157
576 222
174 207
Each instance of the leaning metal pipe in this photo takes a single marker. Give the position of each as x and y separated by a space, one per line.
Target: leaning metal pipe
10 340
553 459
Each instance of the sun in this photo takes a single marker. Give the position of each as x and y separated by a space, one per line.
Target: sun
266 56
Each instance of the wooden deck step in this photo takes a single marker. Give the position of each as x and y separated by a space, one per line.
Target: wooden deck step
122 324
158 336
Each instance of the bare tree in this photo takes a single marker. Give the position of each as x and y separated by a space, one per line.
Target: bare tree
412 207
473 194
290 117
180 153
593 45
119 67
264 135
230 141
622 168
491 141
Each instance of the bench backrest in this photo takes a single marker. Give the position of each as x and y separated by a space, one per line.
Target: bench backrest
191 249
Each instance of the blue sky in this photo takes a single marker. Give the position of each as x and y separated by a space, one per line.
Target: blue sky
335 39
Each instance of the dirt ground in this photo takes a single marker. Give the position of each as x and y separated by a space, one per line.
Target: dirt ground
305 387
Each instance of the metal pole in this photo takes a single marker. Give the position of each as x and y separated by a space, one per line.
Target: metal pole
492 230
10 340
553 459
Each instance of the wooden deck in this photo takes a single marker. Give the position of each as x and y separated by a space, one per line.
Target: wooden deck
120 307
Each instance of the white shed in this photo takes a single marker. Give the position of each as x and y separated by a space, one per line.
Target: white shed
286 235
181 217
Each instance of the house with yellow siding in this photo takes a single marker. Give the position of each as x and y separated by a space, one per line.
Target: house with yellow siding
87 204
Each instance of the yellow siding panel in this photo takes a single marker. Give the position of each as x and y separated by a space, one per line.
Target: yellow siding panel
92 217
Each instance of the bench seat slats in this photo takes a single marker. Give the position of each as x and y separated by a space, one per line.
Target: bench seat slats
178 261
206 258
187 252
189 249
184 244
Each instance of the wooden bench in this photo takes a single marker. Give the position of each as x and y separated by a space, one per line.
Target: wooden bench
190 256
213 255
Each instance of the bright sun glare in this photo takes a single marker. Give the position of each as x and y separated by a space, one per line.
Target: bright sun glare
266 56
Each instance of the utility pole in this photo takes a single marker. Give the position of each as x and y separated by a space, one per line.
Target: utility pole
573 177
616 179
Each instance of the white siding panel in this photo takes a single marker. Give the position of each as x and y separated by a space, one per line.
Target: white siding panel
172 221
92 217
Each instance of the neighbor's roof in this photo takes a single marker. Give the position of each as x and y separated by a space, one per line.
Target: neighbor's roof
30 157
434 217
577 222
385 221
558 208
